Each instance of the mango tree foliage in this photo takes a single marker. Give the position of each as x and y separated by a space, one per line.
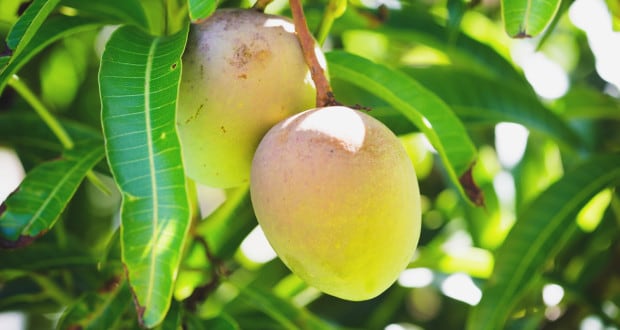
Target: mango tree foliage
102 228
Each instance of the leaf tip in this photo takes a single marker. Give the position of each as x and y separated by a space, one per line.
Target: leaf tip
22 241
472 190
522 35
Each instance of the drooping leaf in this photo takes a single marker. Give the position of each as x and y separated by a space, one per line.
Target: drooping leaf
257 292
45 256
225 229
98 310
587 103
27 25
33 141
45 192
469 95
221 322
139 81
4 60
413 26
201 9
422 107
115 11
456 10
53 29
174 317
528 18
541 230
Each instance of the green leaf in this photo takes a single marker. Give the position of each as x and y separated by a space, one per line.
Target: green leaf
174 318
115 11
45 256
4 60
221 322
45 192
32 139
139 82
225 229
469 95
456 11
279 309
588 103
423 108
528 18
614 8
413 25
201 9
53 29
27 25
540 231
98 310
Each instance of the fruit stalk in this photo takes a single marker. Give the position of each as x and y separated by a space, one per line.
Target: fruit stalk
324 94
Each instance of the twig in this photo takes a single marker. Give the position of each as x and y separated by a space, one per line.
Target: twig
324 94
218 271
53 124
260 5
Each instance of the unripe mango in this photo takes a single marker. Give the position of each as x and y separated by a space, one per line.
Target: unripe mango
243 71
337 197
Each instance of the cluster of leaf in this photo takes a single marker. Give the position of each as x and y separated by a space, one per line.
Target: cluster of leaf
104 232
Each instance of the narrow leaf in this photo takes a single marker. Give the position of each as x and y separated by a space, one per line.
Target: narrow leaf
423 108
201 9
27 25
52 30
45 256
4 60
468 94
540 231
280 310
528 18
139 81
225 229
115 11
414 25
456 11
45 192
100 310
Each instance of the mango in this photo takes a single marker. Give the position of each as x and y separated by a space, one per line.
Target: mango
337 197
243 71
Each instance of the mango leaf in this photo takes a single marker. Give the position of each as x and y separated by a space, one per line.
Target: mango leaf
4 60
412 26
423 108
174 318
201 9
226 227
139 82
32 139
100 310
468 94
456 11
115 11
53 29
539 233
21 33
255 290
528 18
45 256
587 103
221 322
45 192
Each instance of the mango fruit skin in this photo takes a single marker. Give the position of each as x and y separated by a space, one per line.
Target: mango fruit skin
243 71
338 199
